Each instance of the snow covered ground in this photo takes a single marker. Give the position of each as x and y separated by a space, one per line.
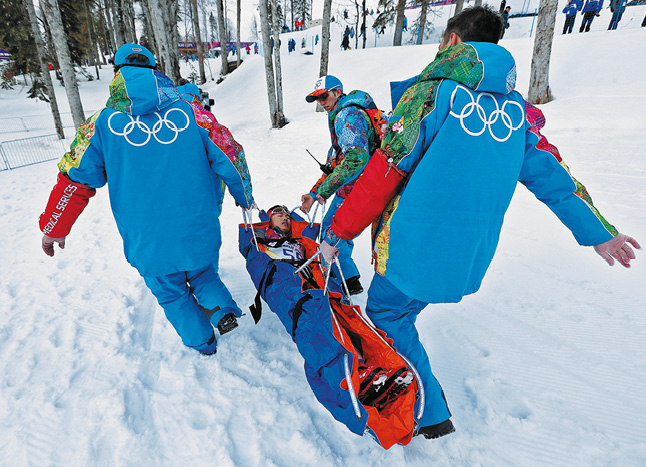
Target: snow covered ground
543 367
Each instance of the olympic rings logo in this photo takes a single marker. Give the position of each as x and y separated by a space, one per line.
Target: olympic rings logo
135 123
487 120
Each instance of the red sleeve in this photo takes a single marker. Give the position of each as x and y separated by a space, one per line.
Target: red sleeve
371 193
66 203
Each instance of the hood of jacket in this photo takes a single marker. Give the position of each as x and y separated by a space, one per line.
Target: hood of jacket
356 98
481 66
140 91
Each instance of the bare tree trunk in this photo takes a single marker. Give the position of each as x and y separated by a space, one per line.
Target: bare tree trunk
40 49
149 26
107 30
164 25
277 119
161 38
119 19
132 30
238 31
363 24
108 11
172 12
325 43
459 4
422 22
356 25
50 8
198 40
223 37
277 67
478 3
399 22
539 83
88 22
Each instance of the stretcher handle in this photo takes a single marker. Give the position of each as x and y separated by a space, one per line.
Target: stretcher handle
248 221
420 385
327 275
307 263
348 378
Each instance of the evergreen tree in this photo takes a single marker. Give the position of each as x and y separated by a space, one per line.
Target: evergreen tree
16 38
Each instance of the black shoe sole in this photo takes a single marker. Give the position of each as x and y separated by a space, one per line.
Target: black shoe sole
227 323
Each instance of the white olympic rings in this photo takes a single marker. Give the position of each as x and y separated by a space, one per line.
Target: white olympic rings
162 121
487 121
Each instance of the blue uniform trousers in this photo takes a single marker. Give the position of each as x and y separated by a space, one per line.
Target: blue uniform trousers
189 299
396 313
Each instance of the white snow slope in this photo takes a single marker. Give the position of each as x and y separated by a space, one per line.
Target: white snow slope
544 366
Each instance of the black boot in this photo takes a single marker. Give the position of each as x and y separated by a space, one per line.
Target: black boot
354 286
437 431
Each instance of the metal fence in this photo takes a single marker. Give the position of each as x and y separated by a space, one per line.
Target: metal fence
35 122
27 151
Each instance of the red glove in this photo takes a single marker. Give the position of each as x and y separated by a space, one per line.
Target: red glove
66 203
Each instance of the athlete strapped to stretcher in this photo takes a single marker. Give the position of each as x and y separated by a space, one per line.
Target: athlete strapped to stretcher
276 238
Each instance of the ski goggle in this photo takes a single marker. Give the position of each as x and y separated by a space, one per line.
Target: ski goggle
278 210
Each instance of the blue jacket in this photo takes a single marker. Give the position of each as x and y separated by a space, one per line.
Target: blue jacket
593 5
460 134
165 162
570 10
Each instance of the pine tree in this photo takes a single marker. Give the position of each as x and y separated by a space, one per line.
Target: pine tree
16 38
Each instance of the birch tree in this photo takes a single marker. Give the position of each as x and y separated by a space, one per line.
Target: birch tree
163 20
539 84
40 52
276 28
198 40
277 118
238 31
459 5
223 36
422 22
119 19
325 43
399 22
50 8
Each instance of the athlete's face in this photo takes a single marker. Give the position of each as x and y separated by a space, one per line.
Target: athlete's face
282 220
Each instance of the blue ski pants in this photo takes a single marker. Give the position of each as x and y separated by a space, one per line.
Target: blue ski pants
192 300
395 314
345 247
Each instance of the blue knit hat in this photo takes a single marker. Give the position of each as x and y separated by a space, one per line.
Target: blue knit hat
121 57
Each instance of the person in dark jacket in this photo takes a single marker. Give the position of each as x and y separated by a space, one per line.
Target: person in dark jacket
167 161
570 10
590 10
617 7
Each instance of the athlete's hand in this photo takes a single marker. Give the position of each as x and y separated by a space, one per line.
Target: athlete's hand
48 244
320 199
618 248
